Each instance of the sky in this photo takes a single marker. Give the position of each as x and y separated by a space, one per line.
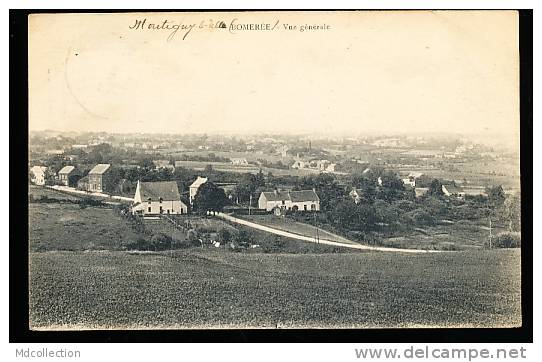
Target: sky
387 71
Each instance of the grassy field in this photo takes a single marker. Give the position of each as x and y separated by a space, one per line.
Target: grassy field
41 191
213 289
294 227
68 227
461 235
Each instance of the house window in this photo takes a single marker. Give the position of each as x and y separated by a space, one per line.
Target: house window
283 202
305 207
313 207
161 210
161 200
149 200
149 209
168 211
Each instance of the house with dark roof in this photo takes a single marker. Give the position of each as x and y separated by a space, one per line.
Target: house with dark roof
155 198
69 175
305 200
98 178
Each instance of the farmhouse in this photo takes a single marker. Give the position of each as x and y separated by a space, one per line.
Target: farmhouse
299 164
421 191
411 178
239 161
163 164
155 198
37 175
69 176
306 200
98 177
453 190
193 189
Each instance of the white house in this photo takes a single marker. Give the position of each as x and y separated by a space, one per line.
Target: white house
37 175
163 164
193 189
239 161
306 200
453 190
411 178
155 198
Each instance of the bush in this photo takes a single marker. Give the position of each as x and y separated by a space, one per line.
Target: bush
161 241
224 235
243 238
139 244
421 217
506 240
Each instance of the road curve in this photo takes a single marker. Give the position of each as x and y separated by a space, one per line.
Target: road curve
321 241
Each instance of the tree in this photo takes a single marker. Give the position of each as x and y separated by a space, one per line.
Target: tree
146 163
422 217
246 187
435 188
347 215
208 169
210 198
224 235
495 195
511 212
392 187
161 241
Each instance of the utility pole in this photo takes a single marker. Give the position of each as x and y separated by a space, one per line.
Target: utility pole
249 203
490 235
316 226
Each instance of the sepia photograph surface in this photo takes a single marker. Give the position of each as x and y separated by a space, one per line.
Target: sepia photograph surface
276 169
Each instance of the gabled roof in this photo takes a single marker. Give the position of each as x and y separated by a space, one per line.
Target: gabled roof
99 169
199 181
161 163
276 195
305 195
66 170
293 196
453 189
167 190
38 169
420 191
415 174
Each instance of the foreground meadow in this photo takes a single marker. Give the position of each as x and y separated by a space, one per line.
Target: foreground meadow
215 289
